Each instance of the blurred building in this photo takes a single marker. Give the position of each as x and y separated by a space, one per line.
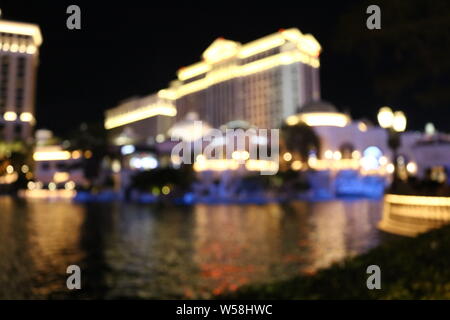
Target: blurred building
19 44
261 82
56 167
140 120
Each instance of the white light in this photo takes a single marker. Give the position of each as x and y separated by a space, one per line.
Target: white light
259 140
136 163
411 167
10 116
399 123
128 149
385 117
160 138
430 129
31 185
51 186
149 163
25 168
328 154
337 155
390 168
383 161
26 117
70 185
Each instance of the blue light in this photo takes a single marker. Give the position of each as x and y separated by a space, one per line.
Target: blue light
371 157
128 149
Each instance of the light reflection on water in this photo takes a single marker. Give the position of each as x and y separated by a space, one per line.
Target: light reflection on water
145 251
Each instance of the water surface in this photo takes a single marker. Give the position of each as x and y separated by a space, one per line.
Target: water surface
148 251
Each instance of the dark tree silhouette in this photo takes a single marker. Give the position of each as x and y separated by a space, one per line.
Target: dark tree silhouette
407 59
300 139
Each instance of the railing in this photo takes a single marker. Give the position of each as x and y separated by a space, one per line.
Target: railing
411 215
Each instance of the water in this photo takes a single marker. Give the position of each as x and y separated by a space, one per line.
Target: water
146 251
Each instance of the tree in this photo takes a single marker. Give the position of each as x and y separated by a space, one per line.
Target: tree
408 58
300 139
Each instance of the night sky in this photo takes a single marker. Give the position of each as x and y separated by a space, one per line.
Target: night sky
126 49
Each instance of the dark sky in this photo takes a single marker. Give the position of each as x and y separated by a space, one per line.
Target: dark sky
127 48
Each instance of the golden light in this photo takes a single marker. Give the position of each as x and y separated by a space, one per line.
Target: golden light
25 29
69 185
192 71
26 117
312 161
9 169
10 116
25 168
216 165
356 154
31 185
51 155
59 177
76 154
165 190
88 154
51 186
362 127
417 200
292 120
261 165
411 167
31 49
296 165
287 156
115 166
176 159
221 49
200 158
125 114
318 119
385 117
240 155
399 122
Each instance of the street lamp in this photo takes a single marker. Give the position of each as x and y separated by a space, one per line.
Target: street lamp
395 123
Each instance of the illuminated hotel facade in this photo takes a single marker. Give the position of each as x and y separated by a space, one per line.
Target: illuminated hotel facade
19 44
262 83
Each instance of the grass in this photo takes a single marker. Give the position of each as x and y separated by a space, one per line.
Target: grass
411 268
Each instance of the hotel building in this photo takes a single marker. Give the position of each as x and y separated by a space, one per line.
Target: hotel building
261 82
19 44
